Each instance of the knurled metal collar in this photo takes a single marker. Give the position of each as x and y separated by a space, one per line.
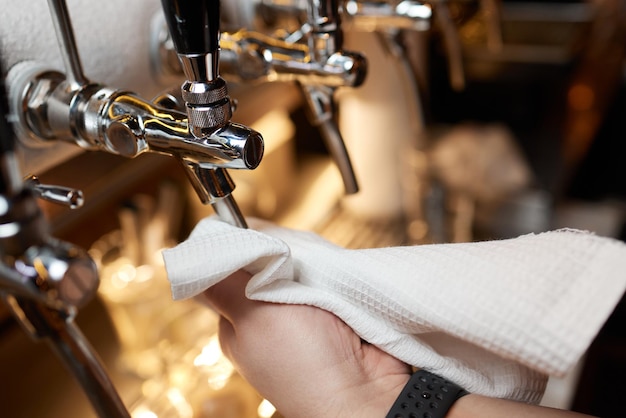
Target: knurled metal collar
205 93
209 116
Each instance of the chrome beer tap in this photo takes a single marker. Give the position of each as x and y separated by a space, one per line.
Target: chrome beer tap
51 106
195 30
395 15
312 55
418 15
44 281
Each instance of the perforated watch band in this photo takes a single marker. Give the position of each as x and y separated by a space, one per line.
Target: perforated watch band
426 395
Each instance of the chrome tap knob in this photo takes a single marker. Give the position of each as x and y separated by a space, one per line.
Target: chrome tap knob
62 271
66 196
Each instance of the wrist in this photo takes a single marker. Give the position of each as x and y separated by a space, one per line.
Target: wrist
373 399
379 403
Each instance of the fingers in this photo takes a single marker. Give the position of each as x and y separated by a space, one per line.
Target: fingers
228 297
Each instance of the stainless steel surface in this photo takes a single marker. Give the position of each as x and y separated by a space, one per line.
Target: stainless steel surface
207 102
319 101
15 284
201 68
210 185
228 210
253 56
326 45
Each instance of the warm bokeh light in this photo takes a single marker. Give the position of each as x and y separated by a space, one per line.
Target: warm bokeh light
210 354
143 412
180 403
266 409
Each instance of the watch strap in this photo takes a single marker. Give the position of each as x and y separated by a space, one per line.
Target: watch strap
426 395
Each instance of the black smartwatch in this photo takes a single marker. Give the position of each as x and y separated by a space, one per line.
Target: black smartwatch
426 395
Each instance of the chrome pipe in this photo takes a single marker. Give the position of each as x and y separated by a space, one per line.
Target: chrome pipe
67 43
76 353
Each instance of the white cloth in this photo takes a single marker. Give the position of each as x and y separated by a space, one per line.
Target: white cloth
495 317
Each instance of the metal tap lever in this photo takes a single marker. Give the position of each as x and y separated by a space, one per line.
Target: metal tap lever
195 30
72 198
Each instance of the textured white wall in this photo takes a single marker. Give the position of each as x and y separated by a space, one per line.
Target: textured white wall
113 41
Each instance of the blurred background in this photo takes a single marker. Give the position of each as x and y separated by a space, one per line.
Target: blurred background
476 120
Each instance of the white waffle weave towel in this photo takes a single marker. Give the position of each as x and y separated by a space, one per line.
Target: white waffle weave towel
496 317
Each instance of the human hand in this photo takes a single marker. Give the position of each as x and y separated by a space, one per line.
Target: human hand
309 363
304 360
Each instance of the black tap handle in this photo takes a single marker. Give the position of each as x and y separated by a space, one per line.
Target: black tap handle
193 24
7 136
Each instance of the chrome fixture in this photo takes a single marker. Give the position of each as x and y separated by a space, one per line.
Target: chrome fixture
69 197
391 16
325 43
302 41
44 281
51 106
312 55
195 30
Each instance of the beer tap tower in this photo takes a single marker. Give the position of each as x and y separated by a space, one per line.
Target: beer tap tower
44 281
